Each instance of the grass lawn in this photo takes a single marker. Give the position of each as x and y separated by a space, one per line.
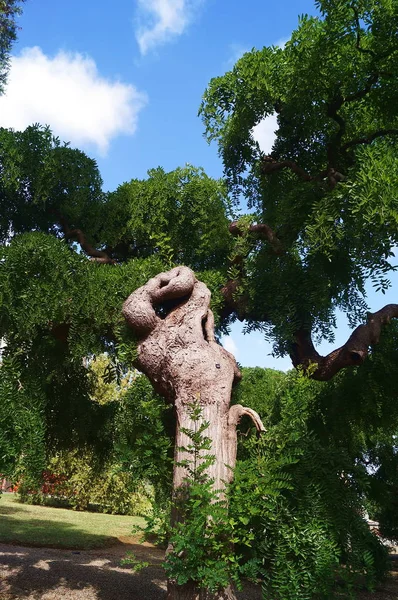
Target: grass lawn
60 528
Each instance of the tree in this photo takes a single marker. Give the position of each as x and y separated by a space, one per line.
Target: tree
324 200
9 10
323 219
177 350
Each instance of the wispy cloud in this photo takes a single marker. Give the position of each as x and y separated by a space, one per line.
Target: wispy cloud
68 93
158 21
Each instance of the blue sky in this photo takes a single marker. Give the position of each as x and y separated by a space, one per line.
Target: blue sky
123 81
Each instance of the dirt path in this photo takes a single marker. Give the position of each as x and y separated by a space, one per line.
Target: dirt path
50 574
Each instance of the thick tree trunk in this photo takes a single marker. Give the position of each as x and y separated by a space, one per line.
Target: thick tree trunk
177 350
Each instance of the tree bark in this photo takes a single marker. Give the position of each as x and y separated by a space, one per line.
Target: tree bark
352 353
177 350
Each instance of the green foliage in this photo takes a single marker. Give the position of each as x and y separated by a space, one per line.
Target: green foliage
83 482
131 561
9 11
143 434
202 535
129 472
302 486
22 423
181 216
332 88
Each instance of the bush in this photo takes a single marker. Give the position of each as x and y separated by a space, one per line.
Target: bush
76 479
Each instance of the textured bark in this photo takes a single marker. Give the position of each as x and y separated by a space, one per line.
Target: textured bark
352 353
177 350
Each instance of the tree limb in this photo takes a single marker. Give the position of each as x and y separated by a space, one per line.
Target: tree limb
237 411
270 165
352 353
369 139
95 255
262 231
358 32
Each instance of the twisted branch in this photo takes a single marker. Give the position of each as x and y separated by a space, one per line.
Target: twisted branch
262 231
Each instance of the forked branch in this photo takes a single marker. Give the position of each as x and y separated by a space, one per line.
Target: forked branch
352 353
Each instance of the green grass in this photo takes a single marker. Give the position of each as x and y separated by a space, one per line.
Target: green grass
60 528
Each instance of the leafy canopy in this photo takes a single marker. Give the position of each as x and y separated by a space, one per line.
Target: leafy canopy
328 188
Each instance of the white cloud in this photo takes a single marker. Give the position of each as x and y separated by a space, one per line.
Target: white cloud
68 93
161 20
230 345
264 133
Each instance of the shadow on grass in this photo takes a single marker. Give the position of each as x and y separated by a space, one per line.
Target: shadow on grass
9 510
48 533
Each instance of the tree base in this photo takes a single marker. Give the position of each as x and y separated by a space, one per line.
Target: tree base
190 592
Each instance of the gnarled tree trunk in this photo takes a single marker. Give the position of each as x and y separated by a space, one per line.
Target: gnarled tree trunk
177 350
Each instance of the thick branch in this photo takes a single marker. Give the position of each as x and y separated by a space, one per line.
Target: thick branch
269 165
237 411
352 353
77 234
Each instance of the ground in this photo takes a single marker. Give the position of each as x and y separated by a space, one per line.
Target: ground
44 573
54 574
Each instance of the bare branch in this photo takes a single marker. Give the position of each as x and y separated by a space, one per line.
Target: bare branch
270 165
237 411
352 353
